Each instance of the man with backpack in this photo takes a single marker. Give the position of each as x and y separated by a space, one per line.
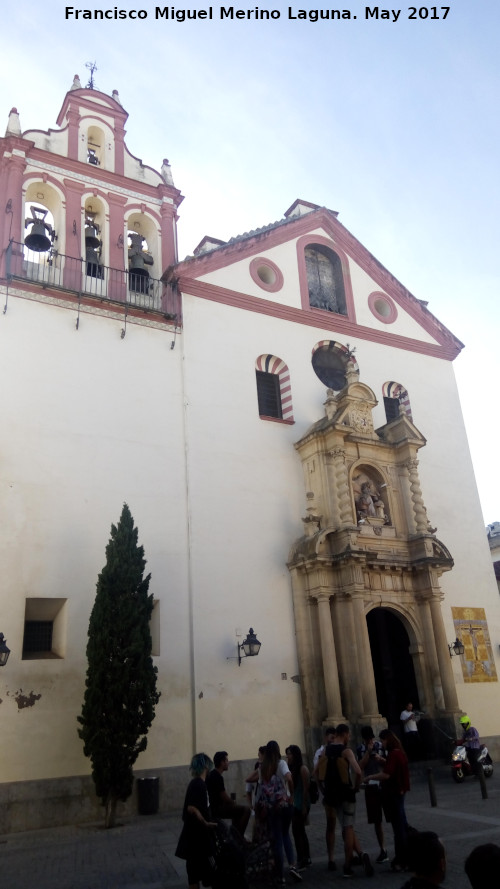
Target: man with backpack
342 779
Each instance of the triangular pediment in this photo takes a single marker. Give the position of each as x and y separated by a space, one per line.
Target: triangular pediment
263 271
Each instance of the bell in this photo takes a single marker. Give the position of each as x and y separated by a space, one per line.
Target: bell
91 239
40 237
37 240
93 261
138 264
138 259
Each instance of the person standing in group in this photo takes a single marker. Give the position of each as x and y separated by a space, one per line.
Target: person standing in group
196 839
251 786
273 803
395 779
301 804
410 730
319 772
340 794
370 756
329 734
221 804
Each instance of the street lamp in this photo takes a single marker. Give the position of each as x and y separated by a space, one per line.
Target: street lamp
4 651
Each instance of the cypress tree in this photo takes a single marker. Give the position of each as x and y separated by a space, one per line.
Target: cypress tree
120 696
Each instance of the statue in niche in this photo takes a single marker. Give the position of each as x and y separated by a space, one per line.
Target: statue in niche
368 499
369 503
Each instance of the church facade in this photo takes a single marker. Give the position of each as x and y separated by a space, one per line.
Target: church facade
282 418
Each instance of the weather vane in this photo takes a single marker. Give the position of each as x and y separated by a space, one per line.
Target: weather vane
92 66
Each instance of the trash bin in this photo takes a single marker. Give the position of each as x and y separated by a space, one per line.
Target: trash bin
148 795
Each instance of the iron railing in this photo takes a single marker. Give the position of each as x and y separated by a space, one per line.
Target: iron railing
60 272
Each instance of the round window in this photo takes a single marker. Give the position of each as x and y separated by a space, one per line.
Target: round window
266 274
382 307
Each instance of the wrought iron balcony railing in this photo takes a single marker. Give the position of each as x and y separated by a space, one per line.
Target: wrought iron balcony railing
60 272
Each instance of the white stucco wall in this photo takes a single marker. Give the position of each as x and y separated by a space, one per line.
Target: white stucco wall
89 421
221 346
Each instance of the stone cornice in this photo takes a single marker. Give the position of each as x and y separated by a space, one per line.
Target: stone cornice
104 308
44 160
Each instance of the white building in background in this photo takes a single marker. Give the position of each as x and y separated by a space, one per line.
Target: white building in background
281 416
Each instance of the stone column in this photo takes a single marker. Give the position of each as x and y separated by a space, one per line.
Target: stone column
168 240
73 119
407 499
330 669
119 133
443 656
431 662
12 220
117 236
337 458
348 656
419 510
74 237
366 674
342 484
13 190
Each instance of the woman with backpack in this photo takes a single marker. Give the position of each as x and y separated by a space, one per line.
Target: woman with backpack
301 804
273 803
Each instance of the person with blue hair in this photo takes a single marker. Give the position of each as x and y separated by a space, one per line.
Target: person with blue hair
195 844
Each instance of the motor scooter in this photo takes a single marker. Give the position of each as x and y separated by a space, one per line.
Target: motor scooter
461 767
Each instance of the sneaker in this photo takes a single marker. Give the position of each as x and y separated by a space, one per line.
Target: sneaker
295 874
332 865
357 860
348 871
367 865
382 857
302 865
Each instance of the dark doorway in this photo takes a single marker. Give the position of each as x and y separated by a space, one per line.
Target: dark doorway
392 664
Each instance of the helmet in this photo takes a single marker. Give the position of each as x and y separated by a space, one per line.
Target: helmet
465 721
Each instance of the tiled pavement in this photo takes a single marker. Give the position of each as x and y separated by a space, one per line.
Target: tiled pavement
139 854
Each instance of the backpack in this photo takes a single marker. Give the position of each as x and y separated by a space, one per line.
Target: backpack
270 795
338 787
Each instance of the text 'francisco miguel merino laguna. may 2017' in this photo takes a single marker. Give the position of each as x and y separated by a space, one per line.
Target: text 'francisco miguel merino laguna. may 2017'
171 13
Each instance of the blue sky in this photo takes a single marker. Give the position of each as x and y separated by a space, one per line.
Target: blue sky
393 124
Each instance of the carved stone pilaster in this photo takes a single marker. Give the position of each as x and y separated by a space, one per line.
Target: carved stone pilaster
329 657
332 459
342 487
419 510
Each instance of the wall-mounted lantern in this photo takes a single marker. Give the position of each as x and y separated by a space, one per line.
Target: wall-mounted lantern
4 651
456 647
250 647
